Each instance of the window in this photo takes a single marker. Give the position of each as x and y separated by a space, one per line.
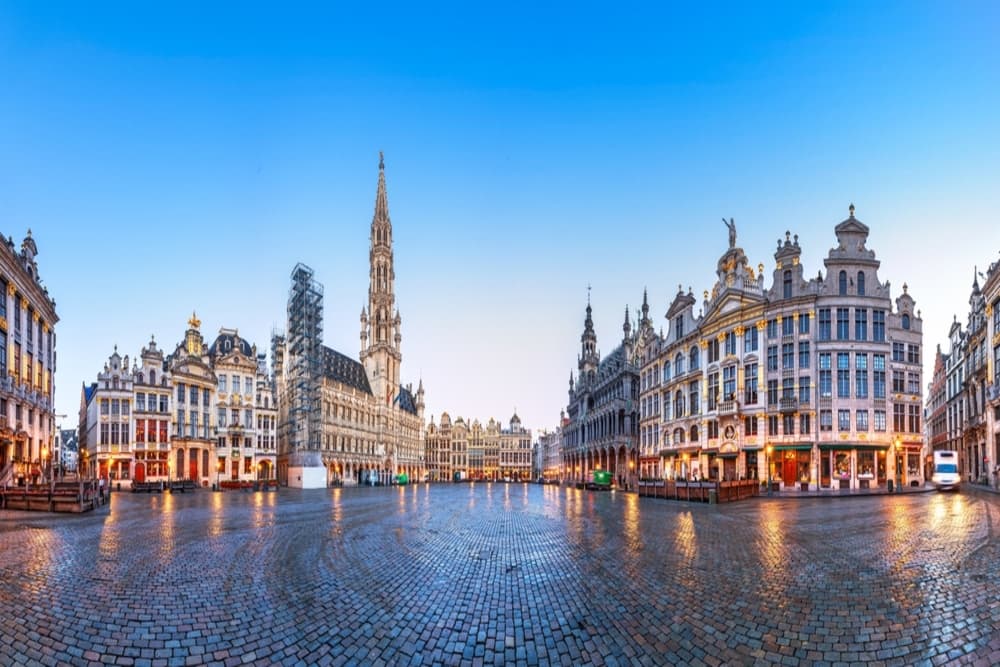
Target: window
804 323
679 364
125 407
824 324
772 329
788 424
772 392
749 426
861 283
140 430
878 326
679 326
3 346
713 350
898 382
913 383
730 343
842 283
750 384
861 420
772 424
694 359
678 404
205 397
140 402
666 373
713 430
3 298
861 324
804 354
750 340
861 375
898 418
772 357
898 351
694 402
666 408
786 282
914 414
788 326
880 420
105 406
804 387
843 375
164 404
805 425
729 383
906 321
843 323
713 390
843 420
788 389
913 354
825 376
222 384
788 355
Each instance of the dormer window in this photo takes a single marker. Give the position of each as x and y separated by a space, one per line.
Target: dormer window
787 284
842 284
906 321
861 283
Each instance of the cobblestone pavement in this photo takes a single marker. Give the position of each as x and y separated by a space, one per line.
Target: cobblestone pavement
502 574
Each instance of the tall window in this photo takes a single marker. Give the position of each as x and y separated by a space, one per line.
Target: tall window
843 375
788 389
913 354
804 387
880 420
898 352
861 420
713 390
805 424
825 376
3 298
666 376
824 324
861 375
679 364
843 420
3 345
222 384
804 354
788 326
772 328
842 283
861 324
729 383
750 384
749 426
694 359
750 340
914 414
898 418
843 323
772 392
730 343
804 323
772 357
772 424
906 321
694 397
861 283
788 424
788 355
786 282
878 326
679 327
713 350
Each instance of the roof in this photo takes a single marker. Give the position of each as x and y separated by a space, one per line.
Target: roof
343 369
88 392
225 343
406 402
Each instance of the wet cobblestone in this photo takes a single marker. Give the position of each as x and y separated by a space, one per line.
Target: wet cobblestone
502 574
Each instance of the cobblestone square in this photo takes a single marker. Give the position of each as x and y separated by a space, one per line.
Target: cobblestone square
490 574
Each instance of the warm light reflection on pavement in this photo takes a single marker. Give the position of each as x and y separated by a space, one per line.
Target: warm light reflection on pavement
504 573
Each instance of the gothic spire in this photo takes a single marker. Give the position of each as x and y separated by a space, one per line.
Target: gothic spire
381 199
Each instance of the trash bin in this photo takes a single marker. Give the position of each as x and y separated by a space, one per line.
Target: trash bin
713 497
888 485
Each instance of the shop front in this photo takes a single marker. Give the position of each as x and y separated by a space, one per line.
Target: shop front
846 465
791 465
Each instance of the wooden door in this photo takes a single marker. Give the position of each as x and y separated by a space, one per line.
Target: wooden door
193 466
789 471
140 472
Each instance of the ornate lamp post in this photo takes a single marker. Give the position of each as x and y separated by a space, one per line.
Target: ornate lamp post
899 465
768 451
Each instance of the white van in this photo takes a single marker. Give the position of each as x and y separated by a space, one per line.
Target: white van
946 475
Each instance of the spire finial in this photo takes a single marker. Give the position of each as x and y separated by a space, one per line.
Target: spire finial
588 294
381 161
194 322
851 209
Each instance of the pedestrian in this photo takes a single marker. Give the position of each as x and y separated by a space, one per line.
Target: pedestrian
100 490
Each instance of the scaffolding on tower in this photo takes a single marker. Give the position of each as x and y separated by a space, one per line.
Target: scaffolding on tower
305 359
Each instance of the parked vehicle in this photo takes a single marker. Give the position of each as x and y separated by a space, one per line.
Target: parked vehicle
946 475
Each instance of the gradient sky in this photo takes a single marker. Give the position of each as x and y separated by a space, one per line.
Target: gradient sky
184 157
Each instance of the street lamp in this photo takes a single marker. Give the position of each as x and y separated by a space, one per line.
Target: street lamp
45 462
218 473
768 450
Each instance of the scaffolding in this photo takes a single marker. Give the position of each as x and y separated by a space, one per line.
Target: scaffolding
305 360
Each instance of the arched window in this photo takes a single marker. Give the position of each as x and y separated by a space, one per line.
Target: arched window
679 364
842 289
787 284
666 370
678 404
152 377
694 434
906 321
678 436
694 357
861 283
139 378
114 383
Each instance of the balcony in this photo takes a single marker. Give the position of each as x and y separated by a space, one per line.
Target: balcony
788 404
730 407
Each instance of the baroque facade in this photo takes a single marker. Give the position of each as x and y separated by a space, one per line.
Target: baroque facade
341 420
27 365
461 450
811 382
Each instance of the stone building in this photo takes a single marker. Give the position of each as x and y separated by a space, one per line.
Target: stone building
194 434
603 427
549 465
153 395
341 420
812 382
461 450
27 365
109 420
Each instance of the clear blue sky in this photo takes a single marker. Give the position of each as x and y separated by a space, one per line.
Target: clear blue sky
185 157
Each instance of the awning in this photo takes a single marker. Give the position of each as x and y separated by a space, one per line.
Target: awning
728 455
800 447
866 446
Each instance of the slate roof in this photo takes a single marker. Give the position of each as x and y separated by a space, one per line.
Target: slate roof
224 344
406 402
343 369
